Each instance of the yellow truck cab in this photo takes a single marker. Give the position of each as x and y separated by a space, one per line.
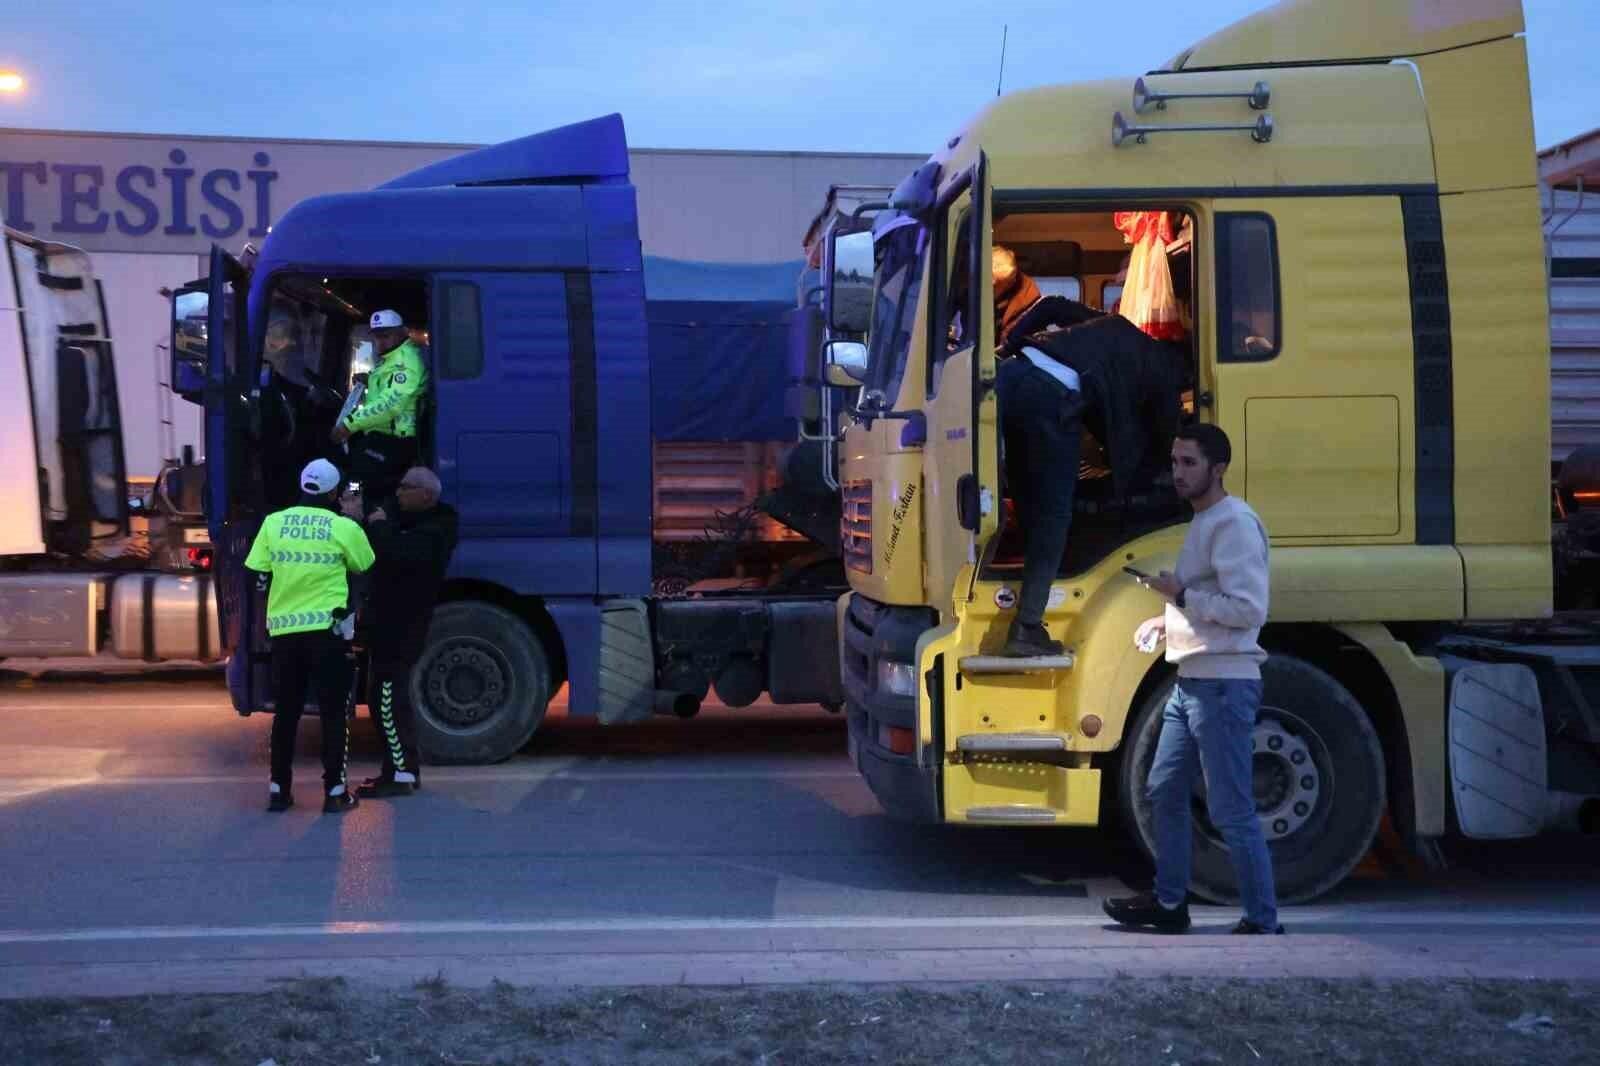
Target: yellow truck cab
1351 196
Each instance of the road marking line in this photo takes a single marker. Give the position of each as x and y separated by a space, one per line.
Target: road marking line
84 701
1352 917
532 774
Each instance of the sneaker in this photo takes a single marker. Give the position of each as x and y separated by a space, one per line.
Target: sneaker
280 801
344 801
1030 641
416 785
384 788
1248 928
1145 909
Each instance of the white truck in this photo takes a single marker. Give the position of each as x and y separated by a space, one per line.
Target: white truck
84 570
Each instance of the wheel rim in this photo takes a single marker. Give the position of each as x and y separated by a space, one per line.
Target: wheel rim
1285 778
465 683
1291 778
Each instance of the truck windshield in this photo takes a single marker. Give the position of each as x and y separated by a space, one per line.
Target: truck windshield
900 256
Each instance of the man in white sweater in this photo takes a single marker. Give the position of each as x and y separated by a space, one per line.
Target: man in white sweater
1217 602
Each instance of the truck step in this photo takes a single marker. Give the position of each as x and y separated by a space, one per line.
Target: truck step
1000 664
1012 743
1011 814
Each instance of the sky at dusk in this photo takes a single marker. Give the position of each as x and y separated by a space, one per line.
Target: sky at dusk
893 76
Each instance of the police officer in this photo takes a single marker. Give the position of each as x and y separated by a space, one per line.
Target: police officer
382 431
304 555
413 536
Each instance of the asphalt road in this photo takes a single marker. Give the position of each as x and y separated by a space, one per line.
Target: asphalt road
738 846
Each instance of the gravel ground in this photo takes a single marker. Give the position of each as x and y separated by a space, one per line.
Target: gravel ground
1164 1022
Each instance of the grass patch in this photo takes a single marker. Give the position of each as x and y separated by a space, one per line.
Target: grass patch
1294 1022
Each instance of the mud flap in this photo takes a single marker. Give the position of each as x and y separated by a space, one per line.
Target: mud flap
627 663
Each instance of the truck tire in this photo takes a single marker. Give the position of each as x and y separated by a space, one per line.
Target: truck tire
481 685
1319 784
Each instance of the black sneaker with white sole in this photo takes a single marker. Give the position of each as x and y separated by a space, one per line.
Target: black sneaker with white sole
1144 910
344 801
1248 928
278 802
385 788
416 784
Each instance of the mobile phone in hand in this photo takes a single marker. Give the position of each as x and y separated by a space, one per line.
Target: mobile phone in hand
1138 575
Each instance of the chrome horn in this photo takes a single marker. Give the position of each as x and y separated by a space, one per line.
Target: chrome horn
1145 97
1260 130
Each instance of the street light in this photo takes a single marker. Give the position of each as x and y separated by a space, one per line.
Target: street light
11 81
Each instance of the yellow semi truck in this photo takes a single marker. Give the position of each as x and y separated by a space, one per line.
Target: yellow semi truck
1352 202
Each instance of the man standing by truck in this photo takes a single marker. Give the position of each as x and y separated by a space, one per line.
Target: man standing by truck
304 555
1217 602
413 535
382 430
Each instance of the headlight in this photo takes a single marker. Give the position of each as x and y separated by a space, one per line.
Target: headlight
898 678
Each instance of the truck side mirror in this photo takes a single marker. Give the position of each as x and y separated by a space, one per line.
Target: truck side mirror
189 343
846 362
850 286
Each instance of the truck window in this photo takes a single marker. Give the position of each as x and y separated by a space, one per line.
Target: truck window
461 348
959 307
295 334
1248 301
1070 288
901 253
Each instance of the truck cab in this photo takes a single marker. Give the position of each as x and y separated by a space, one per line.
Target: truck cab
518 268
1344 200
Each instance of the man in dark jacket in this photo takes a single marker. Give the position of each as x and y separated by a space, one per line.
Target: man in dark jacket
412 535
1131 389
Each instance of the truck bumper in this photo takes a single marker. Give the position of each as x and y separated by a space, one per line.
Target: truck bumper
873 638
905 790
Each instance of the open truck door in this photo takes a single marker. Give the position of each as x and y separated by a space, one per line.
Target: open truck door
963 436
211 362
65 415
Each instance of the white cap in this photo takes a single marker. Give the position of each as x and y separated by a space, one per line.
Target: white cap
386 320
319 478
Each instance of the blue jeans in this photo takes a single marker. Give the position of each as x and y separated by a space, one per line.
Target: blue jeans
1206 725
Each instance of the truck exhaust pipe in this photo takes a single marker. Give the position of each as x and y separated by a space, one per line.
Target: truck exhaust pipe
681 704
1572 812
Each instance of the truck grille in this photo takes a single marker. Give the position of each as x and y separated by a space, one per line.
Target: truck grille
855 526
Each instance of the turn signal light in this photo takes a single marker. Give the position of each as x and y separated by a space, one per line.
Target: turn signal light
898 740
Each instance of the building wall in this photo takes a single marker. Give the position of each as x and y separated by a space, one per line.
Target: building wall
150 207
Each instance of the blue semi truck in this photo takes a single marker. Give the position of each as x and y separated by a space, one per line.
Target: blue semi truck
554 382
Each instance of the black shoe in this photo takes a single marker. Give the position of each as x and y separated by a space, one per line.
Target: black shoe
1248 928
280 801
1145 909
384 788
344 801
1030 641
416 786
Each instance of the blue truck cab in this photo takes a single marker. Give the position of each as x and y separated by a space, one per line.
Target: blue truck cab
519 269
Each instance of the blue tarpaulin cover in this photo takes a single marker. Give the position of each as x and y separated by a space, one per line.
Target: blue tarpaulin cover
718 349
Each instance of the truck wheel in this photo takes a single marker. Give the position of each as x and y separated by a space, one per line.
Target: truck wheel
481 685
1319 785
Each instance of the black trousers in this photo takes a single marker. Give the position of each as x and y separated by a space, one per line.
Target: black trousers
1041 420
314 664
378 461
391 707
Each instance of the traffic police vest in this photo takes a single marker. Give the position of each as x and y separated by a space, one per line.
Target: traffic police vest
308 551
